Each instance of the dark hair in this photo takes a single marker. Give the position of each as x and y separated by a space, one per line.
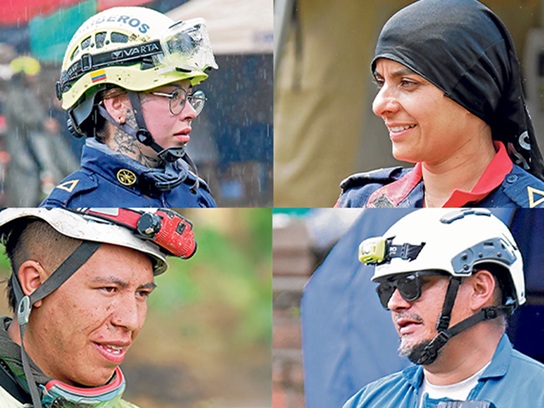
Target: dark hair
95 125
26 242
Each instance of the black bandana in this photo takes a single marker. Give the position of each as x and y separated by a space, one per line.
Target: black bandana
465 50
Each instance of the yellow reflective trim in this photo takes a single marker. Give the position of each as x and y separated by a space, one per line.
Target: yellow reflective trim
532 201
68 185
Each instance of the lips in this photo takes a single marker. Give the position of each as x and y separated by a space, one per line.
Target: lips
397 129
407 325
114 352
184 135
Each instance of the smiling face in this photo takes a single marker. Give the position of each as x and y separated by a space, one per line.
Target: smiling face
81 332
424 125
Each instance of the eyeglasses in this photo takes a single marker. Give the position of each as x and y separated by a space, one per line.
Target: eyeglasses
409 285
178 97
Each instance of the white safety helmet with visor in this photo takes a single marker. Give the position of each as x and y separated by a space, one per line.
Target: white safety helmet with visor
137 49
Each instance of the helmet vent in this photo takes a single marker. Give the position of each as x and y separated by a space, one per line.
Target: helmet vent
74 54
100 39
118 38
86 43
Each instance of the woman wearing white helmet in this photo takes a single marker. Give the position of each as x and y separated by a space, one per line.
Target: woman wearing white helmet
127 83
79 300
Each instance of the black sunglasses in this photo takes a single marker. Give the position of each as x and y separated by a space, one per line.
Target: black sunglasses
409 285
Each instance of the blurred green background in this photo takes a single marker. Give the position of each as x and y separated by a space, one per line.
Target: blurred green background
207 339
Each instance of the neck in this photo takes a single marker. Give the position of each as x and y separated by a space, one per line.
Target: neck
125 144
464 355
460 171
14 331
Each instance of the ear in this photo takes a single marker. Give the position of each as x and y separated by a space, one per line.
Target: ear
483 288
31 276
117 107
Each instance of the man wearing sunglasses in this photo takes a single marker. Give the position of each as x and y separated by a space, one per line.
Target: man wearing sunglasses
450 278
128 84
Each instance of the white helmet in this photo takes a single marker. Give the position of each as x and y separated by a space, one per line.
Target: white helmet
454 242
154 233
135 48
450 240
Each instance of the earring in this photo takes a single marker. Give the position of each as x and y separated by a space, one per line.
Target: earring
122 120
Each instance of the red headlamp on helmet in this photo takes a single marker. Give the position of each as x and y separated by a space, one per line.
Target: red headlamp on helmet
166 228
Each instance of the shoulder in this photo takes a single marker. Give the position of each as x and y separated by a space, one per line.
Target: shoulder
524 189
185 195
394 390
76 184
357 188
528 365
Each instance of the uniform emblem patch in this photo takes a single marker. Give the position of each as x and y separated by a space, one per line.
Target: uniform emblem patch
126 177
68 185
536 197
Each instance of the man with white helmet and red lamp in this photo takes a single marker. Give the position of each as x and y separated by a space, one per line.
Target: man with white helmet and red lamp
450 278
79 284
127 83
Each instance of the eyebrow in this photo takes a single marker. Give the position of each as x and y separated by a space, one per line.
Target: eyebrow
121 283
397 73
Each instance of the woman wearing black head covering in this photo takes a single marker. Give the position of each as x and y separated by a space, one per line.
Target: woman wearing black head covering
450 94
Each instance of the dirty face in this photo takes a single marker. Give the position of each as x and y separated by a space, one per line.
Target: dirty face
82 331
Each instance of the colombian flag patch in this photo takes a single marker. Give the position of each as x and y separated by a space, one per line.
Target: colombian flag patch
98 76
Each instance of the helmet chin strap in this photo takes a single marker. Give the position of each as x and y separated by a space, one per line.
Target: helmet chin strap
144 136
430 352
25 302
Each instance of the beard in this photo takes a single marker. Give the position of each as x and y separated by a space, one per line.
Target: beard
414 352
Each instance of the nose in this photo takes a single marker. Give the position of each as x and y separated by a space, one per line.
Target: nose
397 302
129 314
385 102
188 112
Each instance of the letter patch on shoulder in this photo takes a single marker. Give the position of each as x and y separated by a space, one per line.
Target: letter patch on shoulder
536 197
68 185
126 177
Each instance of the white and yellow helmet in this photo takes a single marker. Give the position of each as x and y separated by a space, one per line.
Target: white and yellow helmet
135 48
451 240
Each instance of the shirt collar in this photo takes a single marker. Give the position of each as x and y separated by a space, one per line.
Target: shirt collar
492 177
497 368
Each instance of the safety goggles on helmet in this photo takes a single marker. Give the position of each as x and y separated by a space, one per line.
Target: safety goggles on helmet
186 46
58 394
182 52
179 97
409 285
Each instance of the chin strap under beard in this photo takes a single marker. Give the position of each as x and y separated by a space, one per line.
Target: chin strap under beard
144 136
429 353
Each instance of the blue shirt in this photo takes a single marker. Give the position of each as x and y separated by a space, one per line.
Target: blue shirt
114 180
512 380
519 189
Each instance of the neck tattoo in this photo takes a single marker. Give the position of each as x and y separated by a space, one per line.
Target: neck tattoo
125 144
